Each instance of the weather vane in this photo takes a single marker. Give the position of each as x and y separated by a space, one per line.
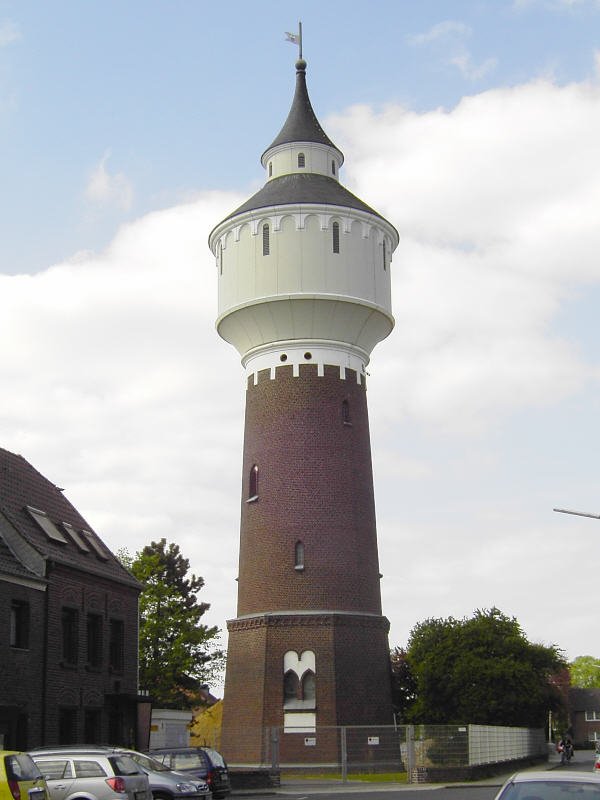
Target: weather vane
295 38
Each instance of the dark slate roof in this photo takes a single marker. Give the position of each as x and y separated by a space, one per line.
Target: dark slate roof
22 485
301 124
305 188
584 699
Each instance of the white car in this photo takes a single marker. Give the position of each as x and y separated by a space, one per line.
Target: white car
551 785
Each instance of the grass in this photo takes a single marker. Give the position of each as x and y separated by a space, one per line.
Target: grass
366 777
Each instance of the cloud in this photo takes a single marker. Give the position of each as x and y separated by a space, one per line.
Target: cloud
104 189
442 30
473 72
9 33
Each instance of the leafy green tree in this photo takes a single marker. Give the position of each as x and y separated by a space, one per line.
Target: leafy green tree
482 670
585 672
178 654
404 686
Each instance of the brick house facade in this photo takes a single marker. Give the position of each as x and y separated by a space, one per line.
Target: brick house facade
584 716
68 621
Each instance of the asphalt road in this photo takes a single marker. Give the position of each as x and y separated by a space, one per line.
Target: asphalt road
424 793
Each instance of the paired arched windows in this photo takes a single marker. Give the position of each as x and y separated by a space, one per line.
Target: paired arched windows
299 682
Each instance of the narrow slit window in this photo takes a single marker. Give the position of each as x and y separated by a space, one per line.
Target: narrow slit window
336 237
266 240
384 256
332 167
301 161
299 556
253 482
345 411
270 169
220 258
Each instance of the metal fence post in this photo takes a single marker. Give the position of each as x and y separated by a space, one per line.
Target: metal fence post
344 754
410 752
274 748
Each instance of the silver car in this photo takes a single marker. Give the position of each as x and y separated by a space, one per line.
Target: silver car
552 785
92 775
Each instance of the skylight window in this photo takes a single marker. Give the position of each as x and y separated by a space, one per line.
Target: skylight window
76 537
91 539
46 524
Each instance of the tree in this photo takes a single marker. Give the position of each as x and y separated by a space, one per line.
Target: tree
178 654
482 670
404 686
585 672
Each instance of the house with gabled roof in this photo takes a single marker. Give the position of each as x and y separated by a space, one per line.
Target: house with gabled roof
68 622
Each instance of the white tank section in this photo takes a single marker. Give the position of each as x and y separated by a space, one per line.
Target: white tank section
304 265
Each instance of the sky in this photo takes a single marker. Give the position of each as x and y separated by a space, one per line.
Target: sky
129 130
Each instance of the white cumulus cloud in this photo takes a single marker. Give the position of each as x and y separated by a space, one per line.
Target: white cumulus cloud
106 189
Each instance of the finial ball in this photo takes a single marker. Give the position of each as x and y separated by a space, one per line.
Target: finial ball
301 65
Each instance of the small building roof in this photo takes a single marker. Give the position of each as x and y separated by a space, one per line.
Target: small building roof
38 510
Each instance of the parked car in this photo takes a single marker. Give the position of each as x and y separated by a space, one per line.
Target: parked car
20 779
93 774
551 785
197 762
165 784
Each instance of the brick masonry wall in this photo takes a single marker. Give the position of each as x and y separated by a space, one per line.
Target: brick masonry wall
315 485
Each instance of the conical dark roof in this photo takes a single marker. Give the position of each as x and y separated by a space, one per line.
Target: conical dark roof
301 124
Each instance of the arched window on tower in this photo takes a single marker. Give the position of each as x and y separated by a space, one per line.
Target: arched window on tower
253 483
332 167
309 688
270 168
301 160
299 556
336 237
384 256
266 239
291 685
346 412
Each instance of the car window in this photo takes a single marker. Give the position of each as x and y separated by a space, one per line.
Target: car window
124 765
148 763
56 769
20 767
216 758
187 761
89 769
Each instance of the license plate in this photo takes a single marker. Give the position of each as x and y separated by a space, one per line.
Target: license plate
140 795
36 794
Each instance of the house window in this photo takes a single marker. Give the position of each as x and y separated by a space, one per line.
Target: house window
592 716
70 635
336 237
266 240
92 725
299 556
332 167
116 644
253 483
301 161
67 725
19 625
94 642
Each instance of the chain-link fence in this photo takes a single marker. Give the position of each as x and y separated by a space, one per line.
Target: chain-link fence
411 752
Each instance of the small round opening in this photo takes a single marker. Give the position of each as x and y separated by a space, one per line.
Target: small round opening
283 357
308 356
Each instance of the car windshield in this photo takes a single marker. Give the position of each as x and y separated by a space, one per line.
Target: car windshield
551 790
216 758
148 763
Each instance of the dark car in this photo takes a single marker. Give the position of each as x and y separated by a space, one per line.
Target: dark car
197 762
